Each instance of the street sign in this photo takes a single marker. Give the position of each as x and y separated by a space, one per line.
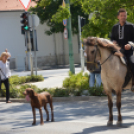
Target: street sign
63 4
25 4
34 20
65 33
65 22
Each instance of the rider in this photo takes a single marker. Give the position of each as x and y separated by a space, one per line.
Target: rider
122 33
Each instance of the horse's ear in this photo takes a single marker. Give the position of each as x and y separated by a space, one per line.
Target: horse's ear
89 41
102 42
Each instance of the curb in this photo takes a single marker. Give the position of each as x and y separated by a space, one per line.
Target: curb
62 99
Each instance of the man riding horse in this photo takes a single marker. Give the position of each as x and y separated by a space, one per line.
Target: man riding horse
122 33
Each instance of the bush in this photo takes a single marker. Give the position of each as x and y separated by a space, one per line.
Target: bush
14 92
34 78
96 91
28 79
61 92
14 79
23 87
85 83
22 80
76 92
66 83
25 79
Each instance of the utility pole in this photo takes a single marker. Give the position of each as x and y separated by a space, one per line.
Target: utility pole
81 48
71 56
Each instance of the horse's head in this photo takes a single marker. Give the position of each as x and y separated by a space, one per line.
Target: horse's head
93 45
92 51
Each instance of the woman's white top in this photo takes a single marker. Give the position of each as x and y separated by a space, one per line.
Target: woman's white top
5 71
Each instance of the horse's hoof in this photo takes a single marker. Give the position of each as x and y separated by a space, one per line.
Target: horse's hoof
33 123
119 123
52 120
41 123
110 123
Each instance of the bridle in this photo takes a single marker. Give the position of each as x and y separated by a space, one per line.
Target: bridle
97 49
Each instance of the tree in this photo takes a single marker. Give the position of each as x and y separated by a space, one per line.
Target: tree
100 25
52 13
105 15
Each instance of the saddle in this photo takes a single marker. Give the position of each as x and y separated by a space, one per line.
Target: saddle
129 74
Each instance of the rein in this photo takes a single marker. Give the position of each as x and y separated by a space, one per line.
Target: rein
106 59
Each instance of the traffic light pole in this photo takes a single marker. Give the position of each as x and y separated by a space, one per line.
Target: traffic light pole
71 56
30 54
25 22
34 44
26 52
81 48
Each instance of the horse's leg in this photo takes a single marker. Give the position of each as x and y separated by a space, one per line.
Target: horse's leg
110 105
118 104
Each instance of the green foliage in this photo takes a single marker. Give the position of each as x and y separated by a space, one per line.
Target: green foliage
15 79
15 85
96 91
52 13
34 78
25 79
45 3
22 79
99 25
62 13
61 92
70 73
78 81
104 15
66 83
14 92
73 85
76 92
85 83
23 87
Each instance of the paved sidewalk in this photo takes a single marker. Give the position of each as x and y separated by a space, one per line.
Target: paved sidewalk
52 78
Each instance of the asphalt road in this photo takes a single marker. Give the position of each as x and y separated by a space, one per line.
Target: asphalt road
70 118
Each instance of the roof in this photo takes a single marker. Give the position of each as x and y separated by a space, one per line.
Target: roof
12 5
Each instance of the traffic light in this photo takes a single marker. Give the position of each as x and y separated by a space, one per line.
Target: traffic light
83 22
22 30
25 22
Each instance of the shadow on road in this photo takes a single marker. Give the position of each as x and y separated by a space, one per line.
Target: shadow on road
104 128
20 115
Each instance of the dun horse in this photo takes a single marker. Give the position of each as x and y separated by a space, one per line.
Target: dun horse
113 71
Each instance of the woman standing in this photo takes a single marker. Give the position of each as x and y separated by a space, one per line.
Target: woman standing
5 73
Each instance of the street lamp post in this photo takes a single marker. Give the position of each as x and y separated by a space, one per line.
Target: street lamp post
81 47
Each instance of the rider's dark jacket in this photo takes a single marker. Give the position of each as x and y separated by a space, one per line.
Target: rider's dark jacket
122 35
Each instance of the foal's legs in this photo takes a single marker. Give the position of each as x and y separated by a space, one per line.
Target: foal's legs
110 105
118 104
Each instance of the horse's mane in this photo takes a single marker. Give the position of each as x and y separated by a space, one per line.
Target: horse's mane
108 44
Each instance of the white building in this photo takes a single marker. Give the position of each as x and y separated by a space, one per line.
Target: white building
52 49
